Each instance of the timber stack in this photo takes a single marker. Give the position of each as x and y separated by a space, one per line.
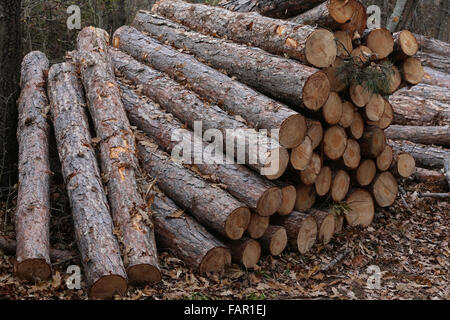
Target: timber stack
255 133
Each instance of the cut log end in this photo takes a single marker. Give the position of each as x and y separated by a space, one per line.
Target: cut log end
381 42
257 226
306 196
413 71
33 269
408 43
384 160
332 72
293 131
278 241
323 181
366 172
321 49
316 91
406 165
339 223
347 114
386 119
352 154
395 80
385 189
345 44
315 132
334 142
237 223
340 185
251 253
215 260
361 207
107 286
276 164
359 94
143 274
341 10
375 107
332 109
310 174
289 195
269 202
326 229
357 126
302 154
363 54
307 235
358 21
373 142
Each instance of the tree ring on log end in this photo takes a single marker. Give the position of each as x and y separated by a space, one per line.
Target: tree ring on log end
406 165
292 131
215 260
362 208
408 43
237 223
302 154
278 242
33 269
321 49
316 91
269 202
307 235
275 165
413 71
340 186
326 229
334 142
385 189
251 254
107 286
289 195
143 274
381 42
341 10
257 226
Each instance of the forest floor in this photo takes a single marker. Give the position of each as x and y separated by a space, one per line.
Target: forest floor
406 248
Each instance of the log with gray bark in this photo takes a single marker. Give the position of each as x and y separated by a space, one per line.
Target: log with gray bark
431 157
434 77
100 253
212 206
434 53
185 238
202 116
308 44
271 8
245 185
33 199
438 135
117 155
281 78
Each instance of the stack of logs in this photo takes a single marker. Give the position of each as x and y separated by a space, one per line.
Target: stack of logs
215 79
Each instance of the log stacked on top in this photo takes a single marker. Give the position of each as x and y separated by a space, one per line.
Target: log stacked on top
315 101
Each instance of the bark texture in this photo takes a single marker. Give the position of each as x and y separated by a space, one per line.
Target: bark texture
117 153
186 238
434 53
246 186
434 77
272 35
210 205
33 198
280 78
99 249
189 108
426 156
438 135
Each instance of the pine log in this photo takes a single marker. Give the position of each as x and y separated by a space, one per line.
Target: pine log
347 114
363 55
100 253
301 155
245 185
307 44
245 251
310 174
385 189
117 155
384 159
428 176
412 70
188 240
357 127
421 105
381 42
314 132
340 185
425 156
405 45
438 135
274 240
352 154
236 98
372 142
403 165
301 230
366 172
434 77
271 8
330 14
334 142
395 80
333 73
344 43
282 79
323 181
434 53
32 215
306 196
358 21
374 109
362 208
332 109
359 94
386 119
257 226
191 109
211 206
289 196
326 224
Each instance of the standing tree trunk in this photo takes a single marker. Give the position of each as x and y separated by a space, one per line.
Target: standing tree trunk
396 15
10 57
442 32
33 199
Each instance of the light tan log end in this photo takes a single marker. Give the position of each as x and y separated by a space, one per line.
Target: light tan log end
381 42
384 159
352 154
107 286
357 126
276 163
316 91
215 260
406 165
307 235
408 43
278 241
257 226
292 131
251 254
333 109
323 181
413 71
237 223
347 114
326 229
321 49
315 132
334 142
385 189
289 195
340 185
306 196
366 172
362 208
302 154
269 202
